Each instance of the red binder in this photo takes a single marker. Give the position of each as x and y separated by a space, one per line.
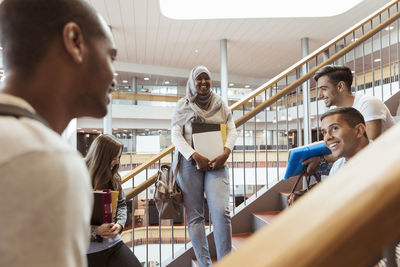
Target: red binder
102 208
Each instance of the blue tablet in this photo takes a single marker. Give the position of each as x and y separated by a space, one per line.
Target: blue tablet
299 154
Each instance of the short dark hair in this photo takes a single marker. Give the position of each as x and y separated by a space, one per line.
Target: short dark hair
336 74
350 115
28 27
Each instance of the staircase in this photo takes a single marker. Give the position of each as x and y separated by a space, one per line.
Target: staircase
277 108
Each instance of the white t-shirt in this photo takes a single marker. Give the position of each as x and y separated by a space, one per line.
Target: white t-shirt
373 109
337 165
45 195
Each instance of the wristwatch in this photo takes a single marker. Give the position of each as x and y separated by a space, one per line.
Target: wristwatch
322 161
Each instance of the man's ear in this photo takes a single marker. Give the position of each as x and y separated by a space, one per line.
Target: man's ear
341 86
360 130
73 41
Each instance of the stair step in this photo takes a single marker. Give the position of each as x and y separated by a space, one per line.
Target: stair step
284 196
260 219
213 260
239 239
267 216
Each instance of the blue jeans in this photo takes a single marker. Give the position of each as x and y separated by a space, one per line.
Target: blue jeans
194 183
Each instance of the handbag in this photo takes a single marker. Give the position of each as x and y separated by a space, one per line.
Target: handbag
168 196
294 195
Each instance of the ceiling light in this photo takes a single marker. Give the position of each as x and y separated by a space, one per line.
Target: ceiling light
389 28
166 82
224 9
1 48
125 81
146 78
231 84
247 86
115 74
377 60
196 51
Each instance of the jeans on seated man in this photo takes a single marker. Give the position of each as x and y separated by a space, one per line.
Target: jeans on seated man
344 132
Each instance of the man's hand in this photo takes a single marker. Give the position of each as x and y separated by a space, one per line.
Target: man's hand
219 161
201 161
312 165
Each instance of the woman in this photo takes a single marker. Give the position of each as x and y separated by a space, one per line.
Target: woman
106 247
210 176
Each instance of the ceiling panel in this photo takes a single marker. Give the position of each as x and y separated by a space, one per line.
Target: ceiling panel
259 48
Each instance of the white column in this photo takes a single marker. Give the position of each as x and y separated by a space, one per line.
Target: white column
306 94
224 70
340 61
107 121
134 89
325 55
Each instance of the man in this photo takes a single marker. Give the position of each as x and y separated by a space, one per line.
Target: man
334 87
58 63
344 132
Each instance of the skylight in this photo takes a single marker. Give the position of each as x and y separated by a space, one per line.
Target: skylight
229 9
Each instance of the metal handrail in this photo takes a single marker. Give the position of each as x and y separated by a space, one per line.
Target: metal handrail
308 75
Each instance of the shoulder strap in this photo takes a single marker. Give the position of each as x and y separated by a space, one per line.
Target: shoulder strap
17 112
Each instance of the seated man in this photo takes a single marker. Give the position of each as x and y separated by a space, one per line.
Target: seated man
344 132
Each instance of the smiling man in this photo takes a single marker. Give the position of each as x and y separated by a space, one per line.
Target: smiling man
58 58
344 132
334 88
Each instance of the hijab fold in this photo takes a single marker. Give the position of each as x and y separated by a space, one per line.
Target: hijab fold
196 108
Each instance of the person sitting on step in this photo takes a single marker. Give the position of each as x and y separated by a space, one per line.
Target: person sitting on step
344 132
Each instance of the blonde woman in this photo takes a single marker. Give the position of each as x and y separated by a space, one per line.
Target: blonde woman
202 105
106 247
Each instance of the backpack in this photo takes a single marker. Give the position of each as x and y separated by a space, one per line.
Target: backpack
168 196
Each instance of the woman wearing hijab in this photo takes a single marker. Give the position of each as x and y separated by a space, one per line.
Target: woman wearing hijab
210 176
